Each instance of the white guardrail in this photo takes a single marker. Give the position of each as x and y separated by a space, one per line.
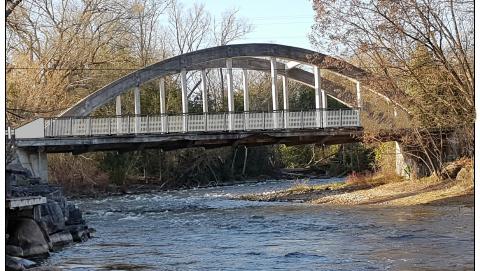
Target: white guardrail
183 123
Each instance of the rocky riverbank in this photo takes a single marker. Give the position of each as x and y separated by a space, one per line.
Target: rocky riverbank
455 186
36 231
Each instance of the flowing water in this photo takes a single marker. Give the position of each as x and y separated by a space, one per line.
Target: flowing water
202 229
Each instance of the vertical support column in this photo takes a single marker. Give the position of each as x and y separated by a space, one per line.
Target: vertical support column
246 95
204 92
161 91
273 71
246 98
43 166
183 79
285 100
231 107
359 100
36 162
359 95
204 99
118 113
324 109
400 165
138 110
318 96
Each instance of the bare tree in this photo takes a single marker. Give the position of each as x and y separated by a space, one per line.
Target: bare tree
421 50
230 27
188 27
146 32
226 30
421 53
10 6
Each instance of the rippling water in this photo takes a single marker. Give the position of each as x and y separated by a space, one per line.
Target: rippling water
201 229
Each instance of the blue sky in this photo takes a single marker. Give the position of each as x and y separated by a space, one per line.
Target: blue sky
275 21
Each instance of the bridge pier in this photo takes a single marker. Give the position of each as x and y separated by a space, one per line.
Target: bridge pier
35 162
401 167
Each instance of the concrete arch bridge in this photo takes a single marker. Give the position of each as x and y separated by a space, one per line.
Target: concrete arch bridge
76 131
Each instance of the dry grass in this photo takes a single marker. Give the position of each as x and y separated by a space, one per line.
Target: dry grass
380 189
372 179
400 193
76 174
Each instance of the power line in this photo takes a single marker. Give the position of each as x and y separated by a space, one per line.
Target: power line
126 69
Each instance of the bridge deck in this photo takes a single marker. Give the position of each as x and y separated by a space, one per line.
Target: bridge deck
127 142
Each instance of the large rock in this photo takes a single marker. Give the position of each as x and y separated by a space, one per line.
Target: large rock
53 217
74 215
465 175
14 251
80 233
61 239
15 263
27 234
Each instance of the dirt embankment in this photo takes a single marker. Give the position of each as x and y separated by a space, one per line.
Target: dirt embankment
383 189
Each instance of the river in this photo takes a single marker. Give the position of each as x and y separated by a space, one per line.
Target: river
202 229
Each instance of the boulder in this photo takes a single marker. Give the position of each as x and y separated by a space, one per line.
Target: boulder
16 263
81 235
74 215
53 217
465 175
27 234
14 251
61 239
450 170
12 265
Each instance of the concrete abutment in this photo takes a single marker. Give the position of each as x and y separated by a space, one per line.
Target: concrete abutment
35 162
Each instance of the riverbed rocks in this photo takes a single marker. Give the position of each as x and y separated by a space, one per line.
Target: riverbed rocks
53 217
60 239
32 234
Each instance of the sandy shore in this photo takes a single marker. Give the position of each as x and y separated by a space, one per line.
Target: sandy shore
397 192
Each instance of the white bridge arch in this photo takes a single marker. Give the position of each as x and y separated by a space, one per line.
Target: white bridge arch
261 57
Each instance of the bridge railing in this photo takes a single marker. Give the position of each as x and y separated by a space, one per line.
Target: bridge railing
209 122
